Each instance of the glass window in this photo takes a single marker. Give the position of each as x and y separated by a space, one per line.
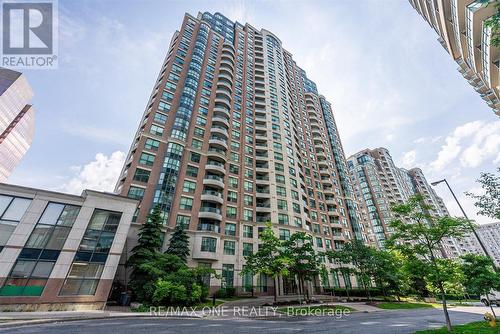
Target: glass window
230 229
186 203
189 186
247 249
208 244
15 211
229 247
247 231
182 220
151 144
227 275
141 175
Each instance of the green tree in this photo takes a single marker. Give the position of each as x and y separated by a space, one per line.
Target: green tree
418 232
270 259
362 258
343 261
494 23
144 254
179 243
388 271
304 261
480 277
489 203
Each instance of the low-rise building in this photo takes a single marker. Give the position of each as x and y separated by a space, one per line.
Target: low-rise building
59 251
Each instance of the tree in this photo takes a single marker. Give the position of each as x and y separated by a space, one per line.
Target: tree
418 232
343 260
480 277
388 271
270 258
362 258
489 203
144 254
494 23
304 261
179 243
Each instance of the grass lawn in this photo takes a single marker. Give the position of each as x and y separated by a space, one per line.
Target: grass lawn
404 305
481 327
324 308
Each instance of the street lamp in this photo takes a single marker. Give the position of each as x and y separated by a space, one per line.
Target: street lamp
465 215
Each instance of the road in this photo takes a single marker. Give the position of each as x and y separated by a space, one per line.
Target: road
384 322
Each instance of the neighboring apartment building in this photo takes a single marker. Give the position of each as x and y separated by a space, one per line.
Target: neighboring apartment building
17 120
59 251
235 135
490 236
463 33
380 184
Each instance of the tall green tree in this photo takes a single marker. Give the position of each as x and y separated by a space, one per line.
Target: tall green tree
387 271
480 277
344 267
179 243
418 232
489 203
270 259
304 260
144 254
362 258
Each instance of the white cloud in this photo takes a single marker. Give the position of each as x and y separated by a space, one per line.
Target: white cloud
455 141
409 159
100 174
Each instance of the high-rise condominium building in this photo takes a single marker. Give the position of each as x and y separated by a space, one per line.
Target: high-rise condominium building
379 185
462 26
17 120
235 135
490 236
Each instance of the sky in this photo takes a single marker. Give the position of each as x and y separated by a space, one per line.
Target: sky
390 82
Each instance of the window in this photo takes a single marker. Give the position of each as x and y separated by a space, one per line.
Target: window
160 118
248 186
282 219
12 209
282 205
247 215
182 220
247 231
233 182
234 169
284 234
232 196
248 200
147 159
186 203
151 144
280 179
189 186
135 192
247 249
35 262
156 130
198 144
92 254
227 275
208 244
195 157
141 175
229 247
281 191
192 171
230 229
231 212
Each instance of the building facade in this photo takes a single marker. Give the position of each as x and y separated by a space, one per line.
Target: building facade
235 135
463 30
17 120
380 184
490 236
59 251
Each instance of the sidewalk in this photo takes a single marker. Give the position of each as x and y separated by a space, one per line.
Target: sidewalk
14 319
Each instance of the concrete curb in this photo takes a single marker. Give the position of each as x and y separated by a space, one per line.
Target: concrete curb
28 322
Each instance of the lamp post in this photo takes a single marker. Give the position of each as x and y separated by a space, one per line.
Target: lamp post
465 215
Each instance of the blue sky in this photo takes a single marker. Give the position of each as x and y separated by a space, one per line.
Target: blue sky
389 80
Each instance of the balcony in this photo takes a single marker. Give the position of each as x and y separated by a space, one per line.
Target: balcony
219 130
218 142
215 166
221 111
212 196
210 213
217 153
214 181
220 120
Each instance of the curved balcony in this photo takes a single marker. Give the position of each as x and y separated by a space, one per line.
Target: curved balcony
220 120
219 130
227 62
218 142
215 166
222 100
210 213
212 196
221 111
223 92
216 153
225 75
214 181
228 47
223 83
